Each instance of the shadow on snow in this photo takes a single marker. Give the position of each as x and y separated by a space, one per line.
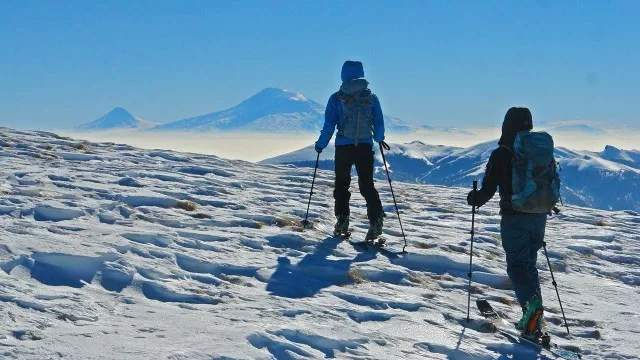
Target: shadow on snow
314 272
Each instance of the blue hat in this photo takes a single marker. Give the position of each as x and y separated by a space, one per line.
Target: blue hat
352 70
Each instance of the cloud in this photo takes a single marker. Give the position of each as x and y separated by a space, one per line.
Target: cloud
252 146
247 146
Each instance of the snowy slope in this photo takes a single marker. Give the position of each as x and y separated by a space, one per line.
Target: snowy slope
273 110
606 180
118 118
113 252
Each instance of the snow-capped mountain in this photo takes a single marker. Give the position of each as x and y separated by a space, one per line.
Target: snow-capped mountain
118 118
606 180
112 252
273 110
627 157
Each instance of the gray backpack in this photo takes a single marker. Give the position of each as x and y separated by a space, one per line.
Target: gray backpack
536 183
357 112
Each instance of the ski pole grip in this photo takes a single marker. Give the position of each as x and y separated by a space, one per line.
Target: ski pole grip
475 184
384 145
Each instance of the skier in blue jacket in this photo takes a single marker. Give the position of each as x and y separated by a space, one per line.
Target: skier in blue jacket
356 113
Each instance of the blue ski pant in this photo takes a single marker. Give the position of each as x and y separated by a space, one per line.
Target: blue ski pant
522 237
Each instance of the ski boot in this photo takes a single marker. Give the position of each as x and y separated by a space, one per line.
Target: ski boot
341 229
375 229
531 322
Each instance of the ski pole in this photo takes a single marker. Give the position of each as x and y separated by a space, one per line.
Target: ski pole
305 222
555 284
385 146
473 223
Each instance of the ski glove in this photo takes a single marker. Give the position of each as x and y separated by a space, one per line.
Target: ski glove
472 198
318 149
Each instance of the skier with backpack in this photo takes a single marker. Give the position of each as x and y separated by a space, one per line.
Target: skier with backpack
356 113
524 170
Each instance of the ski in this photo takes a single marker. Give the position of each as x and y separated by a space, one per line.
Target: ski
342 236
508 330
378 244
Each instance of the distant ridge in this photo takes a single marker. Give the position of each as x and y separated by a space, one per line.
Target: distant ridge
608 180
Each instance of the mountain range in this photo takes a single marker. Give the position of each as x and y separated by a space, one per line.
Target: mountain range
605 180
272 109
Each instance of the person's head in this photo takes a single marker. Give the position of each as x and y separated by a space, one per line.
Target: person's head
352 70
515 120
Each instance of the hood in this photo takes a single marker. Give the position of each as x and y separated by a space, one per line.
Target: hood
352 70
516 119
353 87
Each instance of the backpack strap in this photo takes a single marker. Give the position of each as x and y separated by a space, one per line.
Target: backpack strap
506 147
363 98
348 99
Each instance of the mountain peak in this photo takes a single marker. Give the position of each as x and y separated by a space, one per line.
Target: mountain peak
272 92
117 118
119 109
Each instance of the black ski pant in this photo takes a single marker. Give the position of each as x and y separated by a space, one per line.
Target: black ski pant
362 157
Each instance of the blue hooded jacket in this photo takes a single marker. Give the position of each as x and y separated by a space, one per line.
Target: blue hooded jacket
352 82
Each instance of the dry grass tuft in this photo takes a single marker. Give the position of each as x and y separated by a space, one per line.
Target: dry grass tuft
430 296
506 301
587 323
185 205
488 327
419 278
421 245
356 277
458 249
287 222
445 277
236 280
497 238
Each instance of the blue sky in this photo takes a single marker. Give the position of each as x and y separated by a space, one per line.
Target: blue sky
441 63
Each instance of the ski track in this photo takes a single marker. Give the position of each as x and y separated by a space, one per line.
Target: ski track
113 252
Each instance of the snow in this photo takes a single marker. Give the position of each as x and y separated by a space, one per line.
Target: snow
95 268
